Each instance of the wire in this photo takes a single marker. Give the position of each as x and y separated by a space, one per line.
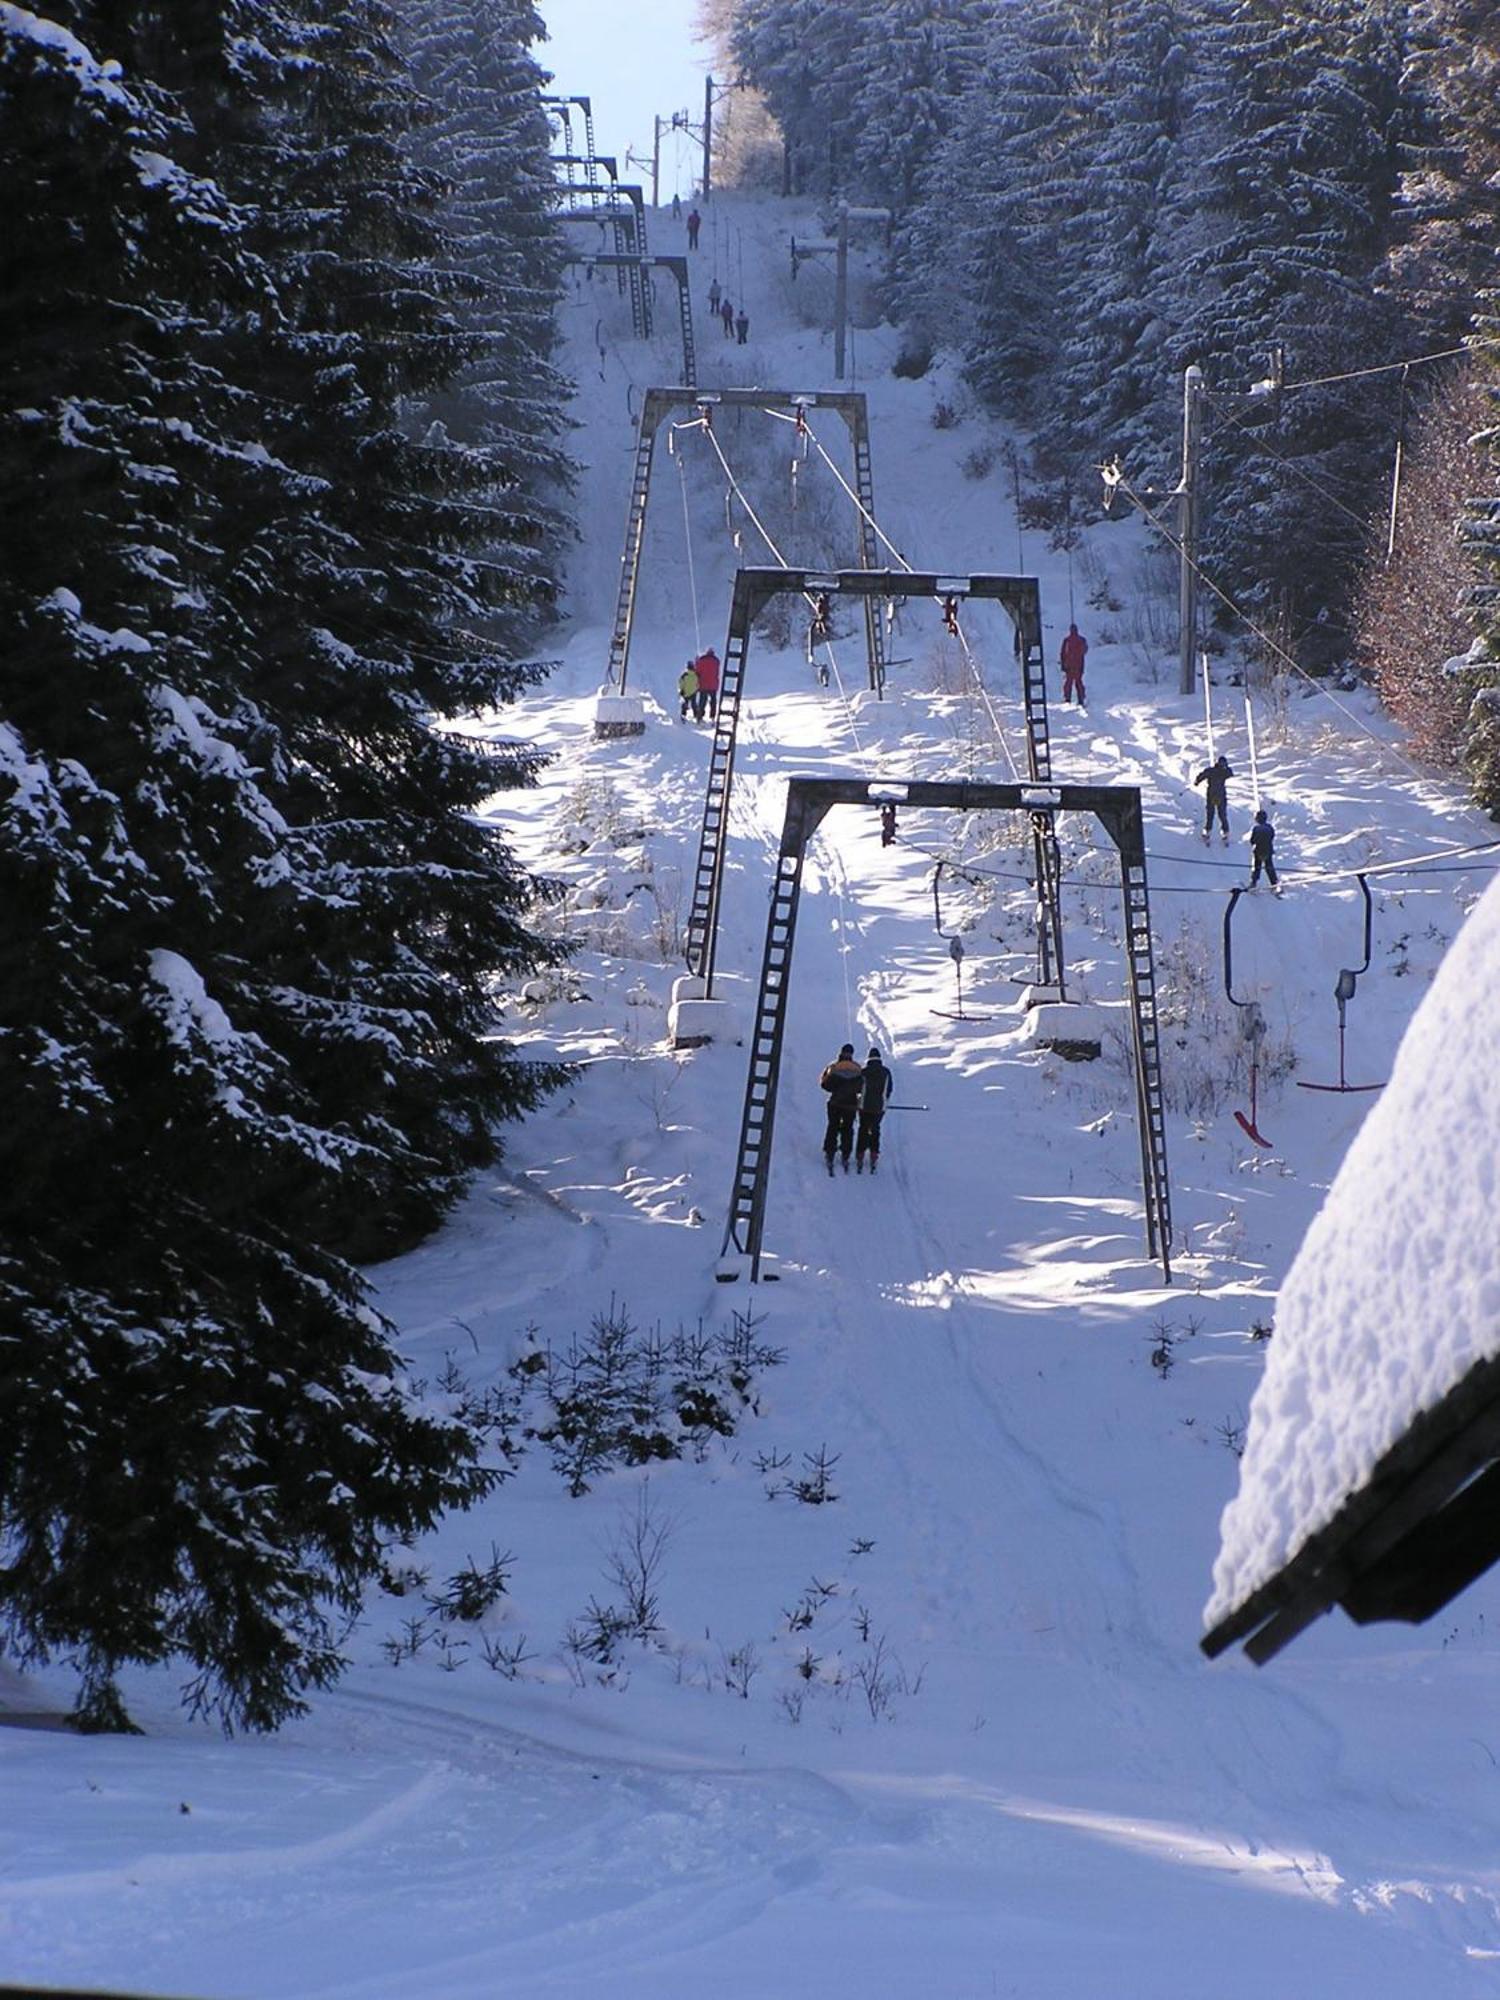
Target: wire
1388 367
865 515
687 532
1259 444
1117 478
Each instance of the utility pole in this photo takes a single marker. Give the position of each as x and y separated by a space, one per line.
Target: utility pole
841 292
708 137
1187 529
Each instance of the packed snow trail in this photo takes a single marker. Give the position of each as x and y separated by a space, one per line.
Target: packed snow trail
972 1749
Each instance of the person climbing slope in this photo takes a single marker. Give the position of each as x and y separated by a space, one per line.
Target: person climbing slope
687 690
1071 656
706 666
1262 840
875 1094
1216 777
844 1081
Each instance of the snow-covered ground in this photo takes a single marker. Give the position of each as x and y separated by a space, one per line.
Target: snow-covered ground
941 1727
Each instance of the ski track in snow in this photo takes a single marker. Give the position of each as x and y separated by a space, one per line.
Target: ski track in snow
1064 1801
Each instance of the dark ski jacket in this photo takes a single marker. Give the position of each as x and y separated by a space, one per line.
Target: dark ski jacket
844 1081
879 1083
1216 777
1262 839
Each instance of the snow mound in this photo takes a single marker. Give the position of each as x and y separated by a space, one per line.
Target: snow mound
1395 1292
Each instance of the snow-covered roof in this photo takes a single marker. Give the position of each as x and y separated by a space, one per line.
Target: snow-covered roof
1394 1297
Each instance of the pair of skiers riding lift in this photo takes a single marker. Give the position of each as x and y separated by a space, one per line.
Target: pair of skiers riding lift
855 1092
698 686
1215 780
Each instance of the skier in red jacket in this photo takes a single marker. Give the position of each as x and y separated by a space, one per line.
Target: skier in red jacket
707 665
1071 658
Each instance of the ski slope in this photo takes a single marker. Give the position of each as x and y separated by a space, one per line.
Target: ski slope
946 1733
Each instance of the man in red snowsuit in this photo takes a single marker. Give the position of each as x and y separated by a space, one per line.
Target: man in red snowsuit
1071 658
707 666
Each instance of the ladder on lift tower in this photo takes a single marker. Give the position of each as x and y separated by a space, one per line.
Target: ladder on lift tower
747 1201
630 559
1118 807
869 555
708 874
1151 1112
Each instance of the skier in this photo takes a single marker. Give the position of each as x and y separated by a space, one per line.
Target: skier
677 208
695 223
726 314
1262 840
887 824
706 666
1071 657
878 1084
742 326
1216 777
714 291
687 690
844 1081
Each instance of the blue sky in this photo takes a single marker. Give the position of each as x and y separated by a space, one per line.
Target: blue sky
633 61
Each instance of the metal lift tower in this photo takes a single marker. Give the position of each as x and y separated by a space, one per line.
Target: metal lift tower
656 407
1117 808
1020 598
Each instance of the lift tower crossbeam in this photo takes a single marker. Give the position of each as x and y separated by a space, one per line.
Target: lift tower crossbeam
1118 809
678 266
656 406
1020 598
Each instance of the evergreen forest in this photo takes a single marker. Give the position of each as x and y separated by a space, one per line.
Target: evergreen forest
1302 201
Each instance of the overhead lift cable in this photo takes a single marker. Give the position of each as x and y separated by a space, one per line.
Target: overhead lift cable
1114 477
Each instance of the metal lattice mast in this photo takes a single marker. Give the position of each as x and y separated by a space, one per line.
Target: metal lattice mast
708 874
869 555
1118 807
747 1201
848 405
1150 1109
753 587
635 529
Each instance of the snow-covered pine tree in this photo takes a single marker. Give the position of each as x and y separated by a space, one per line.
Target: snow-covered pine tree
1110 391
1004 184
1293 207
801 54
484 132
902 80
380 608
1449 212
241 995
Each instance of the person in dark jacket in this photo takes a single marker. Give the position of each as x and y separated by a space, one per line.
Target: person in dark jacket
726 317
695 223
713 297
844 1081
1262 840
875 1094
742 326
1070 658
1216 777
